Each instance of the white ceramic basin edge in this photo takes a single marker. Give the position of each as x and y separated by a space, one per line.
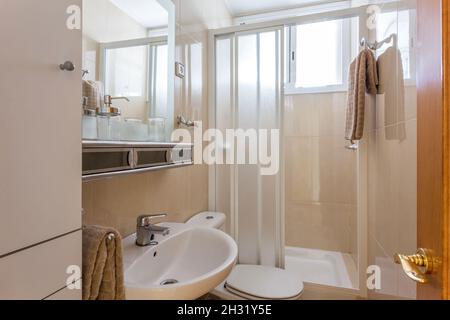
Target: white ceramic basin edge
197 258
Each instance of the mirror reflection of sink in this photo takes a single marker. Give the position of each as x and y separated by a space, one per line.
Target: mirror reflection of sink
185 265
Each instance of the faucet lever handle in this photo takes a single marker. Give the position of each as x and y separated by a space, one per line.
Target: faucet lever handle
144 220
108 99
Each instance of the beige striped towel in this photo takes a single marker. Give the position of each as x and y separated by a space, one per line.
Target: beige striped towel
103 277
391 92
363 78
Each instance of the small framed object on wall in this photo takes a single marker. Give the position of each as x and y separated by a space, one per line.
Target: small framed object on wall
180 70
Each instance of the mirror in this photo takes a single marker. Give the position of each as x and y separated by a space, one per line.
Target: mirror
128 70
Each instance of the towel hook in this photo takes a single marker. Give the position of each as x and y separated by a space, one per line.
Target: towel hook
377 45
353 147
84 72
111 236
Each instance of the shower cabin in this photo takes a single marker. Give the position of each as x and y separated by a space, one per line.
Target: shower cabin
330 214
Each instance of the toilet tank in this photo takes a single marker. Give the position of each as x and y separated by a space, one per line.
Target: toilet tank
208 219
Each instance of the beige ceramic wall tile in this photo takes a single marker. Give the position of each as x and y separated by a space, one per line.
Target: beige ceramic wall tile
386 198
320 226
301 116
338 169
320 170
321 175
300 170
394 207
389 274
332 111
118 202
393 203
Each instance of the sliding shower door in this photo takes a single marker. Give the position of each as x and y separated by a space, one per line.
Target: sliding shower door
248 99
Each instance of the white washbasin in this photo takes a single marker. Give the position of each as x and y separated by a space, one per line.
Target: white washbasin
198 259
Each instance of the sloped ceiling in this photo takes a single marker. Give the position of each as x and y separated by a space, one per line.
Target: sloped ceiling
240 8
148 13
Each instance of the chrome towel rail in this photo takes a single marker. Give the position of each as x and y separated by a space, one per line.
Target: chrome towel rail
353 147
377 45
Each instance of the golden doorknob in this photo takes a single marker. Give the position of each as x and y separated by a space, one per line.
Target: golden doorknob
418 266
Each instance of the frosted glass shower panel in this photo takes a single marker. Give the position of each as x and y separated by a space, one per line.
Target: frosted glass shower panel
248 93
257 108
224 121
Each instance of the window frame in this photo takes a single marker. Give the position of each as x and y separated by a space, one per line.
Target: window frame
291 61
411 81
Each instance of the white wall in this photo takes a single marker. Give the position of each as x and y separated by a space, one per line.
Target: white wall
104 22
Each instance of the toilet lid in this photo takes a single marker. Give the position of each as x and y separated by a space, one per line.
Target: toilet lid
208 219
262 282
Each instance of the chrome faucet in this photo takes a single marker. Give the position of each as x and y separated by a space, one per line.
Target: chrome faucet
107 110
187 123
145 230
108 99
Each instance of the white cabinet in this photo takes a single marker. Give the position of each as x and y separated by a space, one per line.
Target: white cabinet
40 125
40 128
66 294
40 271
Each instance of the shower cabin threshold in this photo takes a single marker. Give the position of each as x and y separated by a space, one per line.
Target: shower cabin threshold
327 268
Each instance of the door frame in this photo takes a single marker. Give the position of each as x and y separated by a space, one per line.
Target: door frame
433 103
446 141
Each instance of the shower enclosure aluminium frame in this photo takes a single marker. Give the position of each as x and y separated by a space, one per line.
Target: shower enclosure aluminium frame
360 12
234 172
362 162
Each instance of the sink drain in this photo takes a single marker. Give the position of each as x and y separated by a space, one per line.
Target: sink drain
169 282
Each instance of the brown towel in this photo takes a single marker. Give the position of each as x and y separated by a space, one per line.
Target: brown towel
363 77
93 91
103 277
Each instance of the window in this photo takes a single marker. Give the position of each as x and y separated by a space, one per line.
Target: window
315 66
319 55
158 79
126 71
399 23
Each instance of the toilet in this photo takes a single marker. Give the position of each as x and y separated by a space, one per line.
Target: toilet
251 282
208 219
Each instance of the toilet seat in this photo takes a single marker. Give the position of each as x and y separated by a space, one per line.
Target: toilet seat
263 283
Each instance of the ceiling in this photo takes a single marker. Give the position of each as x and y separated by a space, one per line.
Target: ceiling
148 13
240 8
